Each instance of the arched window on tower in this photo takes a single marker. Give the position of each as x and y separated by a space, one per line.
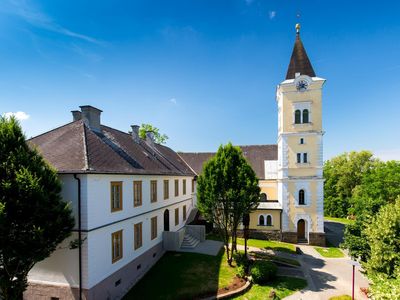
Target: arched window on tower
305 116
261 220
297 116
263 197
301 197
269 220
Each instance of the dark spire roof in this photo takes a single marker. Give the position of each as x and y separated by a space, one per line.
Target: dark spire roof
299 62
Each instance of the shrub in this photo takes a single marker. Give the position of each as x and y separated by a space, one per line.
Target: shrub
241 259
263 271
241 271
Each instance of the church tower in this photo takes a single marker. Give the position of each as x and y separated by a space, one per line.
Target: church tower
300 150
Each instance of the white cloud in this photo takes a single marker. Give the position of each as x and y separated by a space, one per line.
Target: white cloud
19 115
271 14
39 19
173 101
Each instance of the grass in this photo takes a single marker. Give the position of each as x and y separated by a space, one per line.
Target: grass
339 220
283 287
273 245
342 297
184 276
271 257
331 252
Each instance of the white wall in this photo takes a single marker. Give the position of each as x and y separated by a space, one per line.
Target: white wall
99 241
99 204
62 266
97 191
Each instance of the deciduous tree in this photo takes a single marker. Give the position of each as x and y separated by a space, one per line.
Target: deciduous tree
158 137
227 190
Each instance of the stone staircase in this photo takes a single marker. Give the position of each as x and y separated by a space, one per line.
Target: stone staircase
189 242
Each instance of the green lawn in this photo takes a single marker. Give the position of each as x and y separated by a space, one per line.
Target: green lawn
283 287
273 245
339 220
271 257
184 276
331 252
343 297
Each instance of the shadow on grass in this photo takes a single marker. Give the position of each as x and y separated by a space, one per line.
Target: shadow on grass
184 276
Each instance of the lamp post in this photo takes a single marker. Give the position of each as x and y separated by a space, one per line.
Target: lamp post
354 264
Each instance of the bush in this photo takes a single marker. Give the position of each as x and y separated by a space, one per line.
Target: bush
263 271
241 259
241 271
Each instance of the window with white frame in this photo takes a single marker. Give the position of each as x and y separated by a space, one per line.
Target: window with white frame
301 199
302 112
265 220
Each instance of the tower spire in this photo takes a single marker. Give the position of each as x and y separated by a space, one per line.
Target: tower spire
299 62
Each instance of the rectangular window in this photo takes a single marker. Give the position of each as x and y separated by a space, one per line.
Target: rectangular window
176 187
184 186
184 213
192 185
137 193
153 191
138 235
166 189
116 195
116 245
153 227
298 158
176 216
305 158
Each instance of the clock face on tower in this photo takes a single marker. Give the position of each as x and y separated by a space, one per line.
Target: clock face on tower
302 85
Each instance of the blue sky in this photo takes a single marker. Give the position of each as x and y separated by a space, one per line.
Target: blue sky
204 72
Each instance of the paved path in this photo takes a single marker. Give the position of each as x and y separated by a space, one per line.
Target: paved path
327 277
208 247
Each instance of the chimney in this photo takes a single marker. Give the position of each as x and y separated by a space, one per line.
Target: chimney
150 137
135 133
76 115
91 116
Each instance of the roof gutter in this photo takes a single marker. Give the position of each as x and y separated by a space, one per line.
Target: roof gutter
79 235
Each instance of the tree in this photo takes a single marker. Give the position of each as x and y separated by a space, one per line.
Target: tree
383 265
33 217
158 137
227 190
383 235
342 175
379 186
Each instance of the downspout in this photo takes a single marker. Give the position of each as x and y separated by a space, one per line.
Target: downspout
281 224
79 236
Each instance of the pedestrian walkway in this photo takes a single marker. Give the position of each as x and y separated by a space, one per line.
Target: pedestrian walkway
208 247
327 277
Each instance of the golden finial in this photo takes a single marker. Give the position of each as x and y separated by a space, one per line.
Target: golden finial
298 28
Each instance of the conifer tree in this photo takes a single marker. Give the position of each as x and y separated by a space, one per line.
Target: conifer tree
33 217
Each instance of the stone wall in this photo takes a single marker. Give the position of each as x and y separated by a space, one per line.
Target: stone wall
317 239
289 237
262 234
